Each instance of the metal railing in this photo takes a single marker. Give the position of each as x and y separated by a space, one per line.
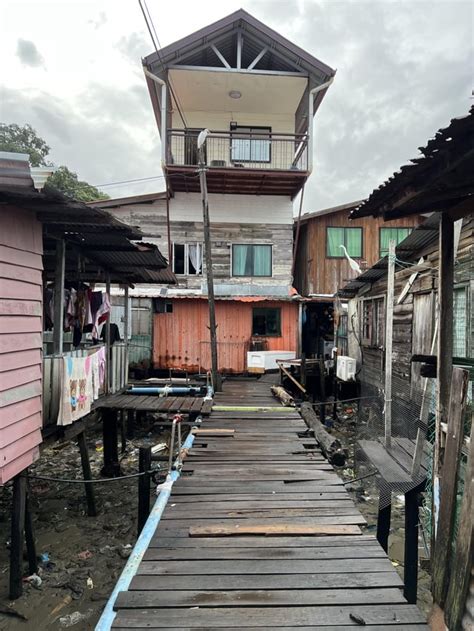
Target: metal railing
237 150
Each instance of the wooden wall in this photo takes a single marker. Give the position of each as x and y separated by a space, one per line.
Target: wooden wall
316 274
413 319
21 248
181 338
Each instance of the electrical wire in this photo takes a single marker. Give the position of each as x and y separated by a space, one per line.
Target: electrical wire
140 179
156 43
362 477
70 481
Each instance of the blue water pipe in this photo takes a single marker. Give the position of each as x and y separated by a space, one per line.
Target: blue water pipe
141 545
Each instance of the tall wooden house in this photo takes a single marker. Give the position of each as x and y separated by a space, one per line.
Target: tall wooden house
257 93
322 268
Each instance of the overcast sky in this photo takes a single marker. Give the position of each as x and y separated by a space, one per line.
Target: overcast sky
72 70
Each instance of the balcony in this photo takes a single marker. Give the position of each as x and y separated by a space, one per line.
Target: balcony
251 162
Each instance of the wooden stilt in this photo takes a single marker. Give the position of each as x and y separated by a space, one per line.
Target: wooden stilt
144 465
412 504
123 431
87 473
384 517
111 466
17 536
29 537
130 424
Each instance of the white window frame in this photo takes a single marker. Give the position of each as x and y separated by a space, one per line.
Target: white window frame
186 257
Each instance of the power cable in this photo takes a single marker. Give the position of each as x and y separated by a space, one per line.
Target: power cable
71 481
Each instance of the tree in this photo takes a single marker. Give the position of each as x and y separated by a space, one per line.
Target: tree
69 184
25 139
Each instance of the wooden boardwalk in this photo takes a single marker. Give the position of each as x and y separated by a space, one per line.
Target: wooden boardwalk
236 547
154 403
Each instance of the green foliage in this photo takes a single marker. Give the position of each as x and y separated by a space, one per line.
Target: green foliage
24 140
68 183
17 139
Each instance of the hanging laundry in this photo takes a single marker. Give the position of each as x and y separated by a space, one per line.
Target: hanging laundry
76 389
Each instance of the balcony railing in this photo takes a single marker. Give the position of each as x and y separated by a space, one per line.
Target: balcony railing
238 150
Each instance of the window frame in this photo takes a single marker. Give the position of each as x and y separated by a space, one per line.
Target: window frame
373 341
234 130
466 288
262 335
186 258
232 275
342 255
397 228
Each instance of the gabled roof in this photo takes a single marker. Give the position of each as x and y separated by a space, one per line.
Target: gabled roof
147 198
439 180
329 211
282 55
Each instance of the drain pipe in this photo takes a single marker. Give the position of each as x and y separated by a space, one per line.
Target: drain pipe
141 546
163 85
312 92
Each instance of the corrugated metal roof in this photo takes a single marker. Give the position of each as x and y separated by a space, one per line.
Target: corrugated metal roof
436 181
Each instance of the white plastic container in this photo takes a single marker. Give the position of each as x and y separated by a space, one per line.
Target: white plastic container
346 368
261 361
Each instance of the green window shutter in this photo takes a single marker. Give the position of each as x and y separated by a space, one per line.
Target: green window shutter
335 238
354 242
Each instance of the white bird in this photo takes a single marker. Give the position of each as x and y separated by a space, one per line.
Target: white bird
353 264
202 137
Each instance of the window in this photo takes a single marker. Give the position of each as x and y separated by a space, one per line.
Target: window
187 258
373 315
387 234
251 260
266 321
251 144
350 238
460 322
342 341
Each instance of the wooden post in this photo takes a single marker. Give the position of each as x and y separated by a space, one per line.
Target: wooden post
111 466
209 272
108 354
384 516
29 537
17 536
410 569
130 423
59 279
144 465
462 561
123 431
389 343
125 336
87 473
447 505
445 333
322 384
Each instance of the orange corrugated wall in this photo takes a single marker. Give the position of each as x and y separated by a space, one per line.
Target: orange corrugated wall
181 338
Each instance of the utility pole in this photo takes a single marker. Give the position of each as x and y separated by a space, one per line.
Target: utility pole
216 378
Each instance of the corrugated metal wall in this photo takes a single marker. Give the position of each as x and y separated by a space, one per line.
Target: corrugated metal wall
181 338
21 311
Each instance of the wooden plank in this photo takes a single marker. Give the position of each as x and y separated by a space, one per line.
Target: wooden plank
290 553
273 617
146 599
447 508
196 512
461 567
230 530
263 542
213 432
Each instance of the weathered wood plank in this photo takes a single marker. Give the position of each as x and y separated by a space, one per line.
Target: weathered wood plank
246 528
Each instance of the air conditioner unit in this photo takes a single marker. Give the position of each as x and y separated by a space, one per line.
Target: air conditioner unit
218 163
346 368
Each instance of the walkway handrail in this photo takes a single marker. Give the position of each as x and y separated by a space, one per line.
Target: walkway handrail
141 545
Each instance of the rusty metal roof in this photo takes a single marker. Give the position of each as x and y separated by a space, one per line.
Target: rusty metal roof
435 182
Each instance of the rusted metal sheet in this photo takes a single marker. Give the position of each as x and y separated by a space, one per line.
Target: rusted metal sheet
20 340
181 338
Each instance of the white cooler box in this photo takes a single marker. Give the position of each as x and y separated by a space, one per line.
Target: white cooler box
262 361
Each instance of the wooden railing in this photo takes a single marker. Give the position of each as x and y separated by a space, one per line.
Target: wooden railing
234 149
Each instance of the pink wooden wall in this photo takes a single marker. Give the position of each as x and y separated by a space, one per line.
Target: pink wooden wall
21 299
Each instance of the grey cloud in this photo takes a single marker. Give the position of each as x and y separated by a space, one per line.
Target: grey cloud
28 53
99 21
97 141
134 46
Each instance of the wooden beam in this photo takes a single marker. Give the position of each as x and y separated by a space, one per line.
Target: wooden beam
285 530
17 536
59 279
389 343
448 496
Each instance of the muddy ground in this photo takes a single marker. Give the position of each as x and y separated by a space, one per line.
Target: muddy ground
82 556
